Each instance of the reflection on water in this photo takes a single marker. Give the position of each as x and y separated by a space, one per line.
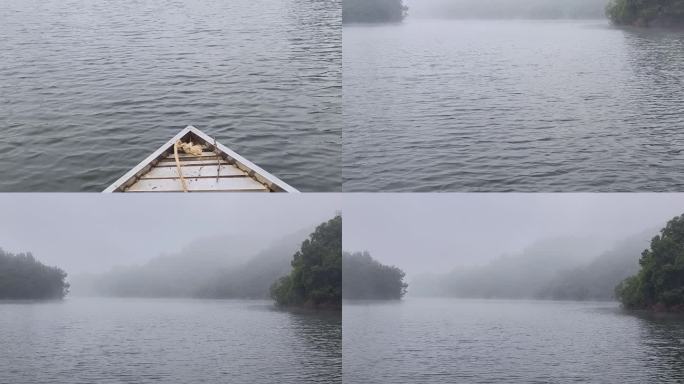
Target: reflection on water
90 88
512 105
663 335
507 341
321 336
178 341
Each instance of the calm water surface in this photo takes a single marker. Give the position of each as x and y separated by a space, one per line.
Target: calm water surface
88 89
512 105
166 341
476 341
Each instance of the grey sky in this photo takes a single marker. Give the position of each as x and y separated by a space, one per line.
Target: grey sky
92 232
430 9
437 232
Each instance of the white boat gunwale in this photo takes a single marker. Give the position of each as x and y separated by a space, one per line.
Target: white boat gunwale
273 183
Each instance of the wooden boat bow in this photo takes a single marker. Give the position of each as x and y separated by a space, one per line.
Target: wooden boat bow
217 169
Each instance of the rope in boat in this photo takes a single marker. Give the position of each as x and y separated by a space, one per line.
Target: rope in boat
178 166
190 149
218 161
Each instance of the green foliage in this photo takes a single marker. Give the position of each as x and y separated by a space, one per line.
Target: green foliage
660 282
369 11
365 278
646 12
24 277
627 292
316 276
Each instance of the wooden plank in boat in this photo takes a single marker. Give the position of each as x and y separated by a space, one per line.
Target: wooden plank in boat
182 156
227 184
205 156
144 165
191 162
257 172
193 171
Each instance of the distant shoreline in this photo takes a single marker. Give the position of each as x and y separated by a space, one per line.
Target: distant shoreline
414 297
308 308
410 20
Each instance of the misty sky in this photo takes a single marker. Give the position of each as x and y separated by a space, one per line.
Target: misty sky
438 232
430 9
93 232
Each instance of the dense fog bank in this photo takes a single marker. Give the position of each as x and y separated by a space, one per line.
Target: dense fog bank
220 267
507 9
562 269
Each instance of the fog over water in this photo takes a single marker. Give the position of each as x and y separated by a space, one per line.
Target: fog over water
178 290
435 233
93 232
476 326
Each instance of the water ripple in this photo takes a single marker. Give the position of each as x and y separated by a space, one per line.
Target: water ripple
498 341
512 106
167 341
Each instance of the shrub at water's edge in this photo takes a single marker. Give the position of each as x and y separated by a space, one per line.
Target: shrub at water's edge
316 277
659 285
22 277
366 278
371 11
646 13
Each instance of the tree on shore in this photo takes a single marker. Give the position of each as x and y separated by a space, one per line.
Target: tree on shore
24 277
366 278
370 11
316 277
645 13
659 285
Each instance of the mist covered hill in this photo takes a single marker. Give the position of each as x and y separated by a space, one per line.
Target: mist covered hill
253 278
555 268
218 267
597 279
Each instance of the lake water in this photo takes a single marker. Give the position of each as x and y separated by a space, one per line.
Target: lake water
479 341
467 105
166 341
88 89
